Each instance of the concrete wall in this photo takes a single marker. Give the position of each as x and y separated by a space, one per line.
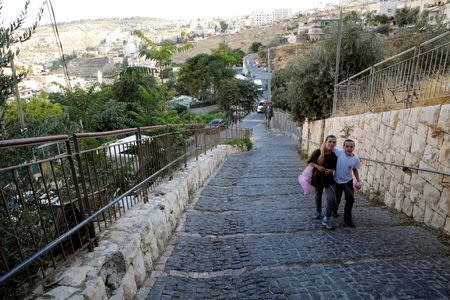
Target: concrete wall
416 137
129 249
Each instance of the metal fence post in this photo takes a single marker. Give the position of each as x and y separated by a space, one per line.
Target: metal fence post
85 207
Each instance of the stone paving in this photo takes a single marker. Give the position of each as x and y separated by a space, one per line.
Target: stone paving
251 235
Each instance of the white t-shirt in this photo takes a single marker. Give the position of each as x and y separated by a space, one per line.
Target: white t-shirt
345 165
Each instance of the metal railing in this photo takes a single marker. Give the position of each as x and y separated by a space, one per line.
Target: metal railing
58 192
417 76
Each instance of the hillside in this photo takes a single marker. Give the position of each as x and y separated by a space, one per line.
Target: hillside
242 40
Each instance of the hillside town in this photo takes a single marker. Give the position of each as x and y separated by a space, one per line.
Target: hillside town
225 150
108 44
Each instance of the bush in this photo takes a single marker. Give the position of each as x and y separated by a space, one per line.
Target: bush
243 144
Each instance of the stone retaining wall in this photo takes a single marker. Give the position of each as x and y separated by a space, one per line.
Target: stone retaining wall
416 137
128 250
283 122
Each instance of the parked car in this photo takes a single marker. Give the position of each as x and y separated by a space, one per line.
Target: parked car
261 108
216 123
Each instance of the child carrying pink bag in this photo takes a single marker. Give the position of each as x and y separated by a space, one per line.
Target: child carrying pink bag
305 180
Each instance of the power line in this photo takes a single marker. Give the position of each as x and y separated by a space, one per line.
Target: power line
59 43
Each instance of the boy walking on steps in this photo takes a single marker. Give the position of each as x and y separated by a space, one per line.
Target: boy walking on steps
347 163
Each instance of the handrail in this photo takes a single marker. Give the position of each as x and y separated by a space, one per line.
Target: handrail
406 167
75 177
32 141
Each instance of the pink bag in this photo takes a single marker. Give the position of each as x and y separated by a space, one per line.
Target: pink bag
305 180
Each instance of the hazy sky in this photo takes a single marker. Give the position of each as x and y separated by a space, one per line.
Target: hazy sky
66 10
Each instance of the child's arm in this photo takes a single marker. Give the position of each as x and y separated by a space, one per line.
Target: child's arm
356 173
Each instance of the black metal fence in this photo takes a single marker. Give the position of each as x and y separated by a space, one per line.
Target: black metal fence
58 192
417 76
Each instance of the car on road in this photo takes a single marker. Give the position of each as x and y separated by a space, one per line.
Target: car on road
216 123
261 108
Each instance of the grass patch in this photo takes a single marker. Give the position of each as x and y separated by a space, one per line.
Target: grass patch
243 144
206 118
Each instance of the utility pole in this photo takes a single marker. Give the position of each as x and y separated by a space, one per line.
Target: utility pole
269 75
16 91
338 59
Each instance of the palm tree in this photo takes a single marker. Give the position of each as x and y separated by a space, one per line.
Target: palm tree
161 54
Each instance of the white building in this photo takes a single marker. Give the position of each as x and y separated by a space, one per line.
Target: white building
262 18
282 14
383 7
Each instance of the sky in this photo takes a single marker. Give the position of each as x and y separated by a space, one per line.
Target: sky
66 11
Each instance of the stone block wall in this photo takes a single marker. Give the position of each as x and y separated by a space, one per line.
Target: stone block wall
283 122
129 249
415 137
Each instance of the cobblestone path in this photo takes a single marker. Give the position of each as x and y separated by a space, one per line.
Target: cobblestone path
251 235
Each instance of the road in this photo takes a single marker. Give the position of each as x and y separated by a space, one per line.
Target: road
256 72
250 234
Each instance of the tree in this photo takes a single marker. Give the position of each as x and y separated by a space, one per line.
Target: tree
10 36
35 110
406 16
223 26
380 19
84 106
277 41
233 57
352 17
255 47
153 106
161 54
359 50
279 83
201 75
125 86
237 96
310 89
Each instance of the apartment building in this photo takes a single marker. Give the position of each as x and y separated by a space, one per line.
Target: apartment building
282 14
383 7
435 9
262 18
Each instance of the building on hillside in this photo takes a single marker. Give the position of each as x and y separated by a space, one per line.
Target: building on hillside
418 3
282 14
262 18
382 7
350 6
439 11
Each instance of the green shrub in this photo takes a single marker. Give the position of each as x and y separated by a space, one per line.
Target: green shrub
243 144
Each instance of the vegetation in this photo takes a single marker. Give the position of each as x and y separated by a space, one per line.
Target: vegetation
255 47
233 57
305 86
243 144
201 76
237 97
407 16
223 26
161 54
9 37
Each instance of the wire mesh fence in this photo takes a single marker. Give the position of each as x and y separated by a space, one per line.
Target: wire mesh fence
417 76
57 193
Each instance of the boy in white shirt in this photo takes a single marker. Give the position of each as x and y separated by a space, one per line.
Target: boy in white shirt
348 164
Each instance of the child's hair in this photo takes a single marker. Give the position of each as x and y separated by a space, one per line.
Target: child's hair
349 141
331 136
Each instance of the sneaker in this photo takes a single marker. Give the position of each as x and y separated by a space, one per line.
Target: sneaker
349 224
327 223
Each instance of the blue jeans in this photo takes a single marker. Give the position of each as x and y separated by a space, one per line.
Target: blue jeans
348 190
331 199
